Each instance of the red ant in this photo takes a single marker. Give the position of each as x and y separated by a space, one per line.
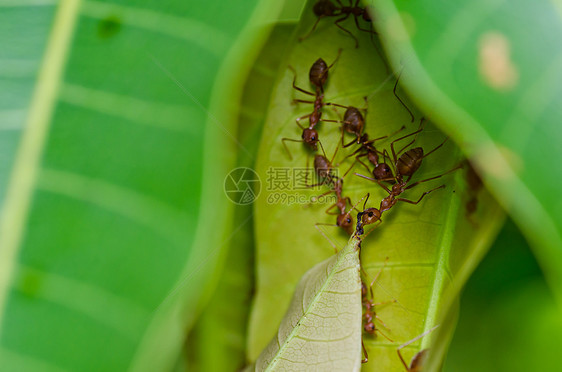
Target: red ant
370 315
318 75
326 8
404 166
354 122
323 169
416 365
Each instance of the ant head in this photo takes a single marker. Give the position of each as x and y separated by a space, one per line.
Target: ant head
382 171
363 289
324 8
345 221
318 73
369 328
370 216
310 136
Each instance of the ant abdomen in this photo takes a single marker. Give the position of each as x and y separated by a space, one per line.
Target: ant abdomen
410 161
353 121
322 166
324 8
318 73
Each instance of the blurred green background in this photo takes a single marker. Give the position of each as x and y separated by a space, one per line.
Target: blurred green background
119 121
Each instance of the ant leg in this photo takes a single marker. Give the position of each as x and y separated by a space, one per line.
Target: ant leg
438 146
402 359
295 84
373 229
324 235
298 120
366 359
412 341
335 104
394 153
286 148
433 178
421 197
374 180
331 207
397 131
366 107
322 147
337 23
367 198
348 199
363 164
315 198
349 144
302 101
378 318
342 134
312 29
363 29
376 278
337 149
385 336
402 102
335 60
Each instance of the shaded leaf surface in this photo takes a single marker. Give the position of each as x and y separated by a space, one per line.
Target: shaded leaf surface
322 328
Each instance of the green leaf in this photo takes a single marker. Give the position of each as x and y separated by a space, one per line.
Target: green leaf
495 86
322 327
431 247
113 223
221 329
521 315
